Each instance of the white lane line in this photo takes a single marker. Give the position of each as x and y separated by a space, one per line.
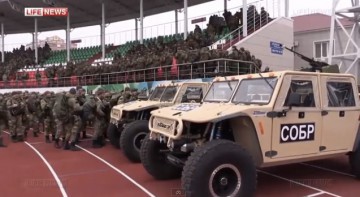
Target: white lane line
119 171
298 183
327 169
58 182
316 194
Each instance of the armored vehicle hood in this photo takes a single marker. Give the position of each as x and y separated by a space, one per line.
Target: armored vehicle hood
137 105
207 112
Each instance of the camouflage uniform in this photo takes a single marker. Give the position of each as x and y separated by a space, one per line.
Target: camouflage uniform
101 120
15 113
69 124
81 100
31 114
46 104
3 119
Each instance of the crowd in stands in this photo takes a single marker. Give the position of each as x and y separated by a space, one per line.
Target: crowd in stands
157 53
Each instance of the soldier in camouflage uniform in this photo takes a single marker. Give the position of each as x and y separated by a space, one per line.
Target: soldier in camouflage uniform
81 98
31 110
46 104
88 114
16 109
67 123
101 119
3 119
125 96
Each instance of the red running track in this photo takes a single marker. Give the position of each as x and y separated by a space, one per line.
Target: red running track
103 172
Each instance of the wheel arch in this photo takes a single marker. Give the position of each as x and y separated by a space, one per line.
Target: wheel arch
244 133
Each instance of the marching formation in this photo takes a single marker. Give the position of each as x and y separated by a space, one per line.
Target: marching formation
63 116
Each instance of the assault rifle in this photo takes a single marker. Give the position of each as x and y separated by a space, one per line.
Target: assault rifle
316 65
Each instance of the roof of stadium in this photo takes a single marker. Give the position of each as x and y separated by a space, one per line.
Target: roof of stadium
83 12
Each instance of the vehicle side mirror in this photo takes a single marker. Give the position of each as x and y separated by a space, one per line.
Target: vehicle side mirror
294 100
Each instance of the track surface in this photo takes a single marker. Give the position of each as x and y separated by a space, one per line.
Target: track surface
106 172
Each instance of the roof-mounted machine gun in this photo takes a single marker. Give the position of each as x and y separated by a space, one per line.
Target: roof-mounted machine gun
316 65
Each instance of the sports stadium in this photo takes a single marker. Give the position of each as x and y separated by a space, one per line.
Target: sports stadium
237 41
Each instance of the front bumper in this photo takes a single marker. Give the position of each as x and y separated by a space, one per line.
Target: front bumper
165 127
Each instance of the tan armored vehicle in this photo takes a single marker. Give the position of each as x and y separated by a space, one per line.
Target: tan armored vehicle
253 121
132 118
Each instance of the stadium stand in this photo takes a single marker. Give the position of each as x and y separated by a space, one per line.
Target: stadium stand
130 62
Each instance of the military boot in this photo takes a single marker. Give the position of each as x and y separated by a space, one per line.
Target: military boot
84 136
20 138
101 141
2 143
73 147
66 145
77 138
47 139
96 144
56 144
13 138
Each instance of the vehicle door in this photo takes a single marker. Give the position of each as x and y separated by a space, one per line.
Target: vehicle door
341 112
298 130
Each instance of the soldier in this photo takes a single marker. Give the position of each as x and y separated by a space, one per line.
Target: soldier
66 111
46 104
101 119
31 110
81 98
125 96
15 112
3 119
88 114
38 77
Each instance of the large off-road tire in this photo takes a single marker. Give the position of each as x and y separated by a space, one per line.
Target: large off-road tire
113 134
155 162
219 168
355 162
131 139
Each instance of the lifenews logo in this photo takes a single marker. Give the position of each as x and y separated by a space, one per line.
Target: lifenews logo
49 11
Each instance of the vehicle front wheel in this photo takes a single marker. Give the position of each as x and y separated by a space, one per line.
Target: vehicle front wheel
132 138
113 134
154 159
219 168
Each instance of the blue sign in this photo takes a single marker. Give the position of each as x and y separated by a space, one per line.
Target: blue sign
276 48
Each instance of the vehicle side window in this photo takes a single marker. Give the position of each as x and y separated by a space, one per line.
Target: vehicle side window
303 88
340 94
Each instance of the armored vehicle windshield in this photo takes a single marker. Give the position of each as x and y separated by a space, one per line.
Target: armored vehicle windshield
156 95
221 91
255 91
169 94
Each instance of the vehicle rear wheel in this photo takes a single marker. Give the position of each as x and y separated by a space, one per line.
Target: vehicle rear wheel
113 134
131 139
219 168
354 158
154 159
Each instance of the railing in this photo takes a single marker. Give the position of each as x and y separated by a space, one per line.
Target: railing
254 23
152 28
201 69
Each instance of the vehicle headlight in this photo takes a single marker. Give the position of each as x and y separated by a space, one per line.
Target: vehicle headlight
115 113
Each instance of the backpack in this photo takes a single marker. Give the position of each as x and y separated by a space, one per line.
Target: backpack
61 109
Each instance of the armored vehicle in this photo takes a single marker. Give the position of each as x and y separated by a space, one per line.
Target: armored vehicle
132 118
253 121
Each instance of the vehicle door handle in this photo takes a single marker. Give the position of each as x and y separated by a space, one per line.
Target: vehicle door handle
341 113
301 115
324 113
